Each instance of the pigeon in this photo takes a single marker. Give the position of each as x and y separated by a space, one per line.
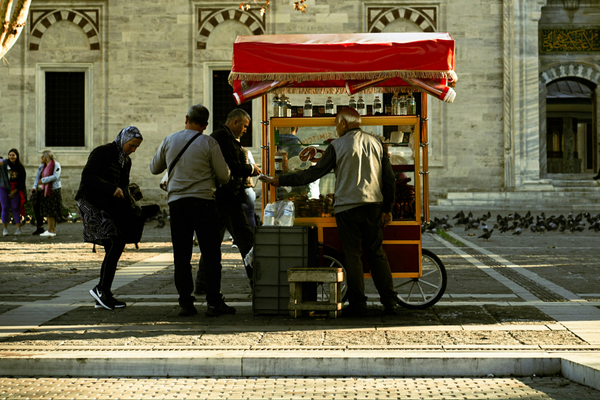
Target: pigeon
518 231
486 235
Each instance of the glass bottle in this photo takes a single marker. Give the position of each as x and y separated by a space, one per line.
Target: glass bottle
308 107
402 105
329 106
276 106
395 99
412 105
377 106
352 102
361 106
288 107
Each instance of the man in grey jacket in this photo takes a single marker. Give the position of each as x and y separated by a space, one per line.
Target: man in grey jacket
364 195
191 197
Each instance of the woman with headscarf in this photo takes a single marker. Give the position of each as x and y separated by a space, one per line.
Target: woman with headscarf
46 194
12 190
103 200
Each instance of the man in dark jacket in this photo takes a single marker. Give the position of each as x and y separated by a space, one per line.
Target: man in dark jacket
231 196
364 195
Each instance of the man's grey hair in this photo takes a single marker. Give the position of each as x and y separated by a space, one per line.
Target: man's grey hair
238 114
350 115
198 114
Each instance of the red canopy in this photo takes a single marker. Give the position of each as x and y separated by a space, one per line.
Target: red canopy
344 63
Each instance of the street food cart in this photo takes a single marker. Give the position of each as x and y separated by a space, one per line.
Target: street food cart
411 64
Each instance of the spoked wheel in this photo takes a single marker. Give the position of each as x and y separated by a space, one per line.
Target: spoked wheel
323 288
423 292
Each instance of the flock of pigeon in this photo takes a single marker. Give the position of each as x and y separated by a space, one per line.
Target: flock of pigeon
516 223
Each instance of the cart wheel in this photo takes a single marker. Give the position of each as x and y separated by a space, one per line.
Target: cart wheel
423 292
323 288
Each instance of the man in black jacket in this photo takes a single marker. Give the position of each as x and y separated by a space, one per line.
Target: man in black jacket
232 195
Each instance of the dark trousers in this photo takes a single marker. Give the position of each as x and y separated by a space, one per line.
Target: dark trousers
113 248
191 215
36 201
360 230
232 217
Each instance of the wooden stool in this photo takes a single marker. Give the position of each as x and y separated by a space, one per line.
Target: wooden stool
333 276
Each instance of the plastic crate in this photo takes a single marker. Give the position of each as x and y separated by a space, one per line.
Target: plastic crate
277 249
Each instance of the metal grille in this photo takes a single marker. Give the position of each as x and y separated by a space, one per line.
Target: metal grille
65 109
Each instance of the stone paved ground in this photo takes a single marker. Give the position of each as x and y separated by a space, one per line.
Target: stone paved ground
477 310
296 388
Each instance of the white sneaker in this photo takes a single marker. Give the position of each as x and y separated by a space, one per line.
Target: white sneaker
18 232
5 233
48 234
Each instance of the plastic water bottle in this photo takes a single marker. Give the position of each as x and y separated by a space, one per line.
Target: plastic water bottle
395 110
329 106
377 108
308 107
352 102
360 106
269 218
288 214
402 105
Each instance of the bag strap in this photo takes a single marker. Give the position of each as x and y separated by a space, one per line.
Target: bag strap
181 153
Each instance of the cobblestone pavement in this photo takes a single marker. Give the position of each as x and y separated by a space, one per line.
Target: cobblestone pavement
490 302
296 388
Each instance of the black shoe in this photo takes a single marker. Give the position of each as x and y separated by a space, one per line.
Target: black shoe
38 231
596 177
118 304
188 311
355 311
102 298
223 309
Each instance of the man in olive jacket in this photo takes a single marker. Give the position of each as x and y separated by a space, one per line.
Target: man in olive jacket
232 195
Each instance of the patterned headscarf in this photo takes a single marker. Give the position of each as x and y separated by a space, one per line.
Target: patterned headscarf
126 134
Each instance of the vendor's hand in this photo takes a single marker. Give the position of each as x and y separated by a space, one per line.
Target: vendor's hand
257 170
119 193
386 218
12 194
274 181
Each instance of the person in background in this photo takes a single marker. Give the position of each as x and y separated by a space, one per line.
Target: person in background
231 196
290 142
12 190
50 188
104 203
191 188
37 195
250 194
364 195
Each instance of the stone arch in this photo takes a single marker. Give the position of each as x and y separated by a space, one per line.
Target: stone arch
87 20
424 18
208 20
588 72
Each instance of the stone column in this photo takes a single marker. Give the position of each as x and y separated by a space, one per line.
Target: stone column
521 92
543 132
568 146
